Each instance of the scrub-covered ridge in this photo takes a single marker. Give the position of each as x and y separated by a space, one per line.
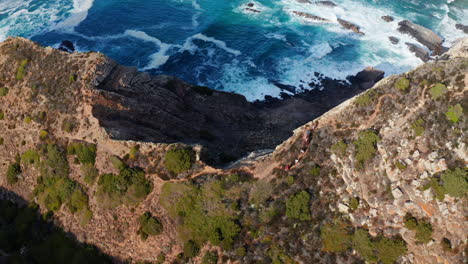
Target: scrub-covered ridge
115 165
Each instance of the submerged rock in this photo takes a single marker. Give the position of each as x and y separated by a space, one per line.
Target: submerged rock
350 26
419 51
310 16
423 35
367 78
388 18
251 9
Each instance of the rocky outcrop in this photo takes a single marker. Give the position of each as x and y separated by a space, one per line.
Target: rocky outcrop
250 7
394 40
387 18
350 26
326 3
420 52
310 16
67 46
423 35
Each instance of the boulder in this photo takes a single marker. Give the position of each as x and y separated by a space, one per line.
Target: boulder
367 78
388 18
304 1
289 88
423 35
326 3
394 40
350 26
310 16
67 46
418 51
251 9
462 28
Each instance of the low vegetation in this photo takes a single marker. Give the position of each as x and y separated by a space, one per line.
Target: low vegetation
13 171
3 91
418 127
423 228
454 113
85 153
340 148
452 182
438 91
297 206
365 146
149 226
130 186
179 160
402 84
21 72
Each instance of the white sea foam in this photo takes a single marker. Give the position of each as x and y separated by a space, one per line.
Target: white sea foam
191 47
78 15
276 36
156 59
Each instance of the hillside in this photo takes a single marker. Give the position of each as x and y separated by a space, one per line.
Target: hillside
118 159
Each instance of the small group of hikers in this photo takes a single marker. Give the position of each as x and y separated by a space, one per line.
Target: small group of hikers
307 137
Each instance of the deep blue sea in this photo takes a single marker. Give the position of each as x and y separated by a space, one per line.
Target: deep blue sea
222 45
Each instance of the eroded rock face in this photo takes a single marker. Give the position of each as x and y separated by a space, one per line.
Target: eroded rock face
350 26
462 27
423 35
418 51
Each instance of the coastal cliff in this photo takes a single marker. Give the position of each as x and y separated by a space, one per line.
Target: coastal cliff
105 150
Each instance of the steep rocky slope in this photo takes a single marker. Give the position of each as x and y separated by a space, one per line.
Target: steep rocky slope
381 178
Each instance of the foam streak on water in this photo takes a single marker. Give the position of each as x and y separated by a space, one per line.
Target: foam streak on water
227 46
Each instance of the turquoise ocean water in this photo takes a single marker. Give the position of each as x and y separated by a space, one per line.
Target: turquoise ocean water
222 45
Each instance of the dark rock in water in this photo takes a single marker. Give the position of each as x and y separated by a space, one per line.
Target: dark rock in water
252 10
419 51
393 40
67 46
423 35
388 18
350 26
326 3
289 88
304 1
309 16
367 78
462 27
250 5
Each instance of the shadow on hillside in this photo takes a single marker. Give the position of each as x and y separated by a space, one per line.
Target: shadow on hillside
26 236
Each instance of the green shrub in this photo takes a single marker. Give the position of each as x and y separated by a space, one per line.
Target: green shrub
133 152
89 173
149 226
27 119
21 70
366 98
204 213
203 90
1 141
130 186
315 171
78 200
160 259
365 146
335 237
455 182
117 163
3 91
67 126
437 188
13 171
86 153
364 245
423 229
340 148
454 113
446 244
437 91
418 127
354 203
43 134
2 115
297 206
389 250
30 157
179 160
290 180
210 257
400 165
260 192
402 84
191 249
72 78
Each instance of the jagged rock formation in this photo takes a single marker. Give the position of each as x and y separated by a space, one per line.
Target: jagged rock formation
371 161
